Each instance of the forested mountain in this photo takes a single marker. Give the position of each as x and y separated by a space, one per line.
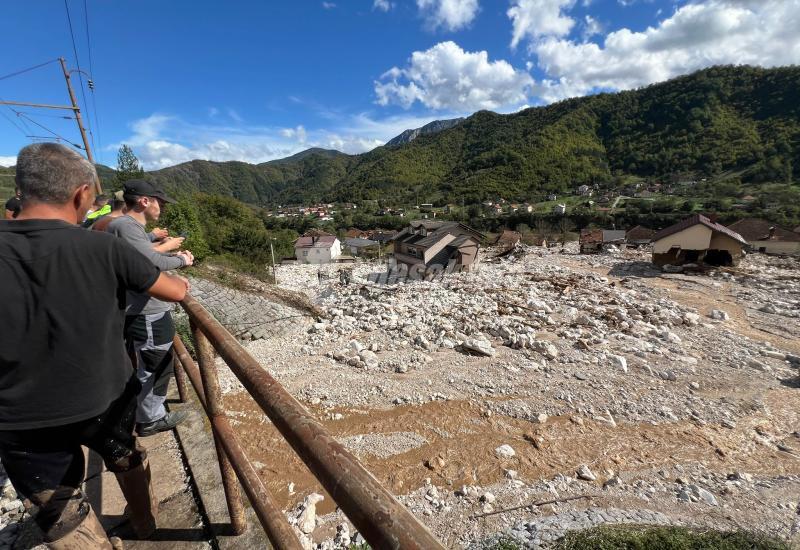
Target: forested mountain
741 119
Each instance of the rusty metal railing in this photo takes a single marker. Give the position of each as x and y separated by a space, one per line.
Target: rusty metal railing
379 517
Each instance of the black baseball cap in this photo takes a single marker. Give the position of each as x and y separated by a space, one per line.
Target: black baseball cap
143 188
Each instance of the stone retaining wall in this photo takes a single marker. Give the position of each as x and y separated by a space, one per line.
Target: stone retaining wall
249 316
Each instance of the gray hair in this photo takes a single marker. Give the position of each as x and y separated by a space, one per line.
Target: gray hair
50 172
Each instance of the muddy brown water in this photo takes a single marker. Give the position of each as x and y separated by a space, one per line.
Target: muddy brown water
465 439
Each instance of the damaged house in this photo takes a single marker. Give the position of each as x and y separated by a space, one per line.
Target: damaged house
598 240
766 237
697 240
438 243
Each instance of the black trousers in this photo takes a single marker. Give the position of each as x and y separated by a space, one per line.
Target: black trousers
46 465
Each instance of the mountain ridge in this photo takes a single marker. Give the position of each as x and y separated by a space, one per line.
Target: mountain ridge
719 119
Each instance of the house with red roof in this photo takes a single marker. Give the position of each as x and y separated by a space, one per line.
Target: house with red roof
317 248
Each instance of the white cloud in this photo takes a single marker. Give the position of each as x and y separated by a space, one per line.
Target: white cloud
162 140
8 161
298 133
451 15
382 5
536 18
328 5
697 35
447 77
591 27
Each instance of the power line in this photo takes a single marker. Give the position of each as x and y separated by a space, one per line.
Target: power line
98 150
16 73
80 73
11 120
46 115
45 128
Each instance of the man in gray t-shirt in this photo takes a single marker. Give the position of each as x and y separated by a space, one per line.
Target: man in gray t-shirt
149 329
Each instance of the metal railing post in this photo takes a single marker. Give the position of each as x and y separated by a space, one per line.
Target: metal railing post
273 521
374 511
180 377
208 373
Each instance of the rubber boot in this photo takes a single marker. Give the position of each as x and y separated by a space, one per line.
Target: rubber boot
88 535
142 506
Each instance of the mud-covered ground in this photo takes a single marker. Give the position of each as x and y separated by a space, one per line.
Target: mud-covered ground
676 396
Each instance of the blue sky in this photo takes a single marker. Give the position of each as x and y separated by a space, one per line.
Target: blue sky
255 81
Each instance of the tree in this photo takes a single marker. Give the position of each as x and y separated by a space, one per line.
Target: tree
128 166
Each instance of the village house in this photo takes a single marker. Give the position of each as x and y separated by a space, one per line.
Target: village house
437 243
639 235
597 240
766 237
317 248
359 246
508 239
560 209
585 190
697 239
552 197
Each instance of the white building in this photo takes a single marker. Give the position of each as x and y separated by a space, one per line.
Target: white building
317 249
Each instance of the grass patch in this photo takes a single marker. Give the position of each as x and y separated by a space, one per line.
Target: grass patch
637 537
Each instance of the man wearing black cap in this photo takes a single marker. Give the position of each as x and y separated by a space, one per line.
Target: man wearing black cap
149 329
13 208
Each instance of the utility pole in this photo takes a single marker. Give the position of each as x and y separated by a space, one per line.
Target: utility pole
272 251
74 108
77 110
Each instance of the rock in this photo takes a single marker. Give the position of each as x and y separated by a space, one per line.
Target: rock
356 346
719 315
668 375
758 365
541 418
694 385
401 369
481 347
511 474
741 476
585 473
505 451
706 496
308 517
619 362
369 358
613 481
773 354
342 538
607 419
669 268
730 424
549 351
768 308
488 498
435 463
691 319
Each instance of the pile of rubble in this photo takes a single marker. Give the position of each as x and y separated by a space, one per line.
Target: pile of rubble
552 343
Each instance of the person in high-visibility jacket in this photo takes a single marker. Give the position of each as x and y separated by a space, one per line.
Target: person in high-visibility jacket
100 208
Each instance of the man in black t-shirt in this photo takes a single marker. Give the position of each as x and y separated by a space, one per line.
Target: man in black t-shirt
65 378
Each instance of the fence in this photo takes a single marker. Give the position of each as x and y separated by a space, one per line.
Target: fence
379 517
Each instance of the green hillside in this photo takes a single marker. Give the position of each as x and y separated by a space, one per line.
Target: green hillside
738 119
